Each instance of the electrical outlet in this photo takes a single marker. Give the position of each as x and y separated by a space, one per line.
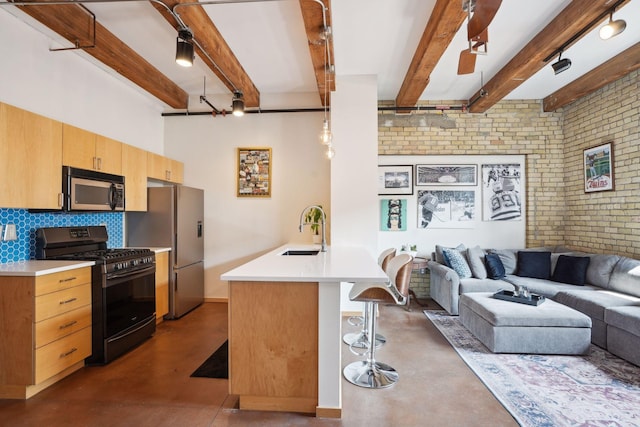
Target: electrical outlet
1 227
10 232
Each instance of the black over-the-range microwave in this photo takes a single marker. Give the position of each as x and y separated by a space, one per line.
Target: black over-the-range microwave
85 190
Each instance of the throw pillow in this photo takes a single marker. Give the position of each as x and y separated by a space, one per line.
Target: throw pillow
475 257
440 256
534 264
455 260
571 269
508 259
495 269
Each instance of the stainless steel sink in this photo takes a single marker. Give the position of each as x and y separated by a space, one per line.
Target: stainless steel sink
301 252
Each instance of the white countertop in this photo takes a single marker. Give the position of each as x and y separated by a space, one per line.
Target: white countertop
338 264
40 267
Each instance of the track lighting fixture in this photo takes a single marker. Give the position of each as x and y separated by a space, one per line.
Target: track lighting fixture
613 28
184 48
237 104
561 65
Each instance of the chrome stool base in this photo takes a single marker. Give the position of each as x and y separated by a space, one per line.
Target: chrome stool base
370 375
360 340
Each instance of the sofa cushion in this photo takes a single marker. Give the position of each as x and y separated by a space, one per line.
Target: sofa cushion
534 264
475 257
594 303
600 268
440 256
625 318
456 260
495 268
571 269
508 258
626 277
472 284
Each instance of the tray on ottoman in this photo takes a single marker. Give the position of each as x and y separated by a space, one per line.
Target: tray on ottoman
532 299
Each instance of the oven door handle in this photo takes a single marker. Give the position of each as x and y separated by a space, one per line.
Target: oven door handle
131 273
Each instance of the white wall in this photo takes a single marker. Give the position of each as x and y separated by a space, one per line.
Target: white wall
66 87
487 234
237 229
354 122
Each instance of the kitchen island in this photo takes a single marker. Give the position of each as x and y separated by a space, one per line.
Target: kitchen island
285 327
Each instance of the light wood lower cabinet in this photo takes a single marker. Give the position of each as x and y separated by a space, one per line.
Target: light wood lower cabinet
45 330
273 345
162 285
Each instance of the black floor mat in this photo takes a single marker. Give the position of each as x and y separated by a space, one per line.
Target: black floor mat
217 365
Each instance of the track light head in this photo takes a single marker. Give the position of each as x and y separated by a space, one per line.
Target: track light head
237 104
561 65
613 28
184 48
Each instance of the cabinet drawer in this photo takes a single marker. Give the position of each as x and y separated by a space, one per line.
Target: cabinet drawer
60 326
63 280
59 355
56 303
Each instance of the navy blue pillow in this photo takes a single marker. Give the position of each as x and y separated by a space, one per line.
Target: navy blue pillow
571 269
495 268
534 264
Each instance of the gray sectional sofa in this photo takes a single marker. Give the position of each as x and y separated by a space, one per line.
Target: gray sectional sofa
606 287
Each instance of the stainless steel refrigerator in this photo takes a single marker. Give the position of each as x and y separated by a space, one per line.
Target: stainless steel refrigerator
175 219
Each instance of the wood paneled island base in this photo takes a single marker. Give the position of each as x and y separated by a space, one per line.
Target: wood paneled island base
273 345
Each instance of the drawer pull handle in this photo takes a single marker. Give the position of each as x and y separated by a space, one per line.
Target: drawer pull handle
65 326
73 350
68 301
69 279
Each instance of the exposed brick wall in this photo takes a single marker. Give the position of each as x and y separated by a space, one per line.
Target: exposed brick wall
608 221
558 210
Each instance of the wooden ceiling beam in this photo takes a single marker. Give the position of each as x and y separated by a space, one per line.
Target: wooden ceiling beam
226 66
445 21
314 26
75 23
530 59
613 69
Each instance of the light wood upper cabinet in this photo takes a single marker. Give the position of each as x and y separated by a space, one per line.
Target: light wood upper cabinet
164 168
87 150
134 169
30 160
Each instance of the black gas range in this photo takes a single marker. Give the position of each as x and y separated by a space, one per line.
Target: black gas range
123 286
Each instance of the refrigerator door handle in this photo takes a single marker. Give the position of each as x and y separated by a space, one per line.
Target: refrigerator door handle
199 229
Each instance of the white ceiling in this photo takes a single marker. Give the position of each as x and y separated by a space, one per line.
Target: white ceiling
371 37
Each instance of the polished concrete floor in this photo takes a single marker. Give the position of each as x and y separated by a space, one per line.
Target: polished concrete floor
151 385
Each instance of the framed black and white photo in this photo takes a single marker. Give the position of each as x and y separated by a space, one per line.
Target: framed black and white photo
446 175
501 192
598 168
446 208
395 180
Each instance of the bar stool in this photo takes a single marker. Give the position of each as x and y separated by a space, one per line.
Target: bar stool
361 339
369 373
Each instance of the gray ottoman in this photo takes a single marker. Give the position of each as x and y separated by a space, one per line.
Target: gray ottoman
509 327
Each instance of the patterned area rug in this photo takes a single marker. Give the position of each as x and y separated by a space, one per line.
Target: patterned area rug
599 389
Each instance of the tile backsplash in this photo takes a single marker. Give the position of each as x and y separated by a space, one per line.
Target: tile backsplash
26 223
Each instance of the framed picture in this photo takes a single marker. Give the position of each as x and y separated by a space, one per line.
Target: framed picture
393 214
446 208
395 179
254 172
501 192
446 175
598 168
